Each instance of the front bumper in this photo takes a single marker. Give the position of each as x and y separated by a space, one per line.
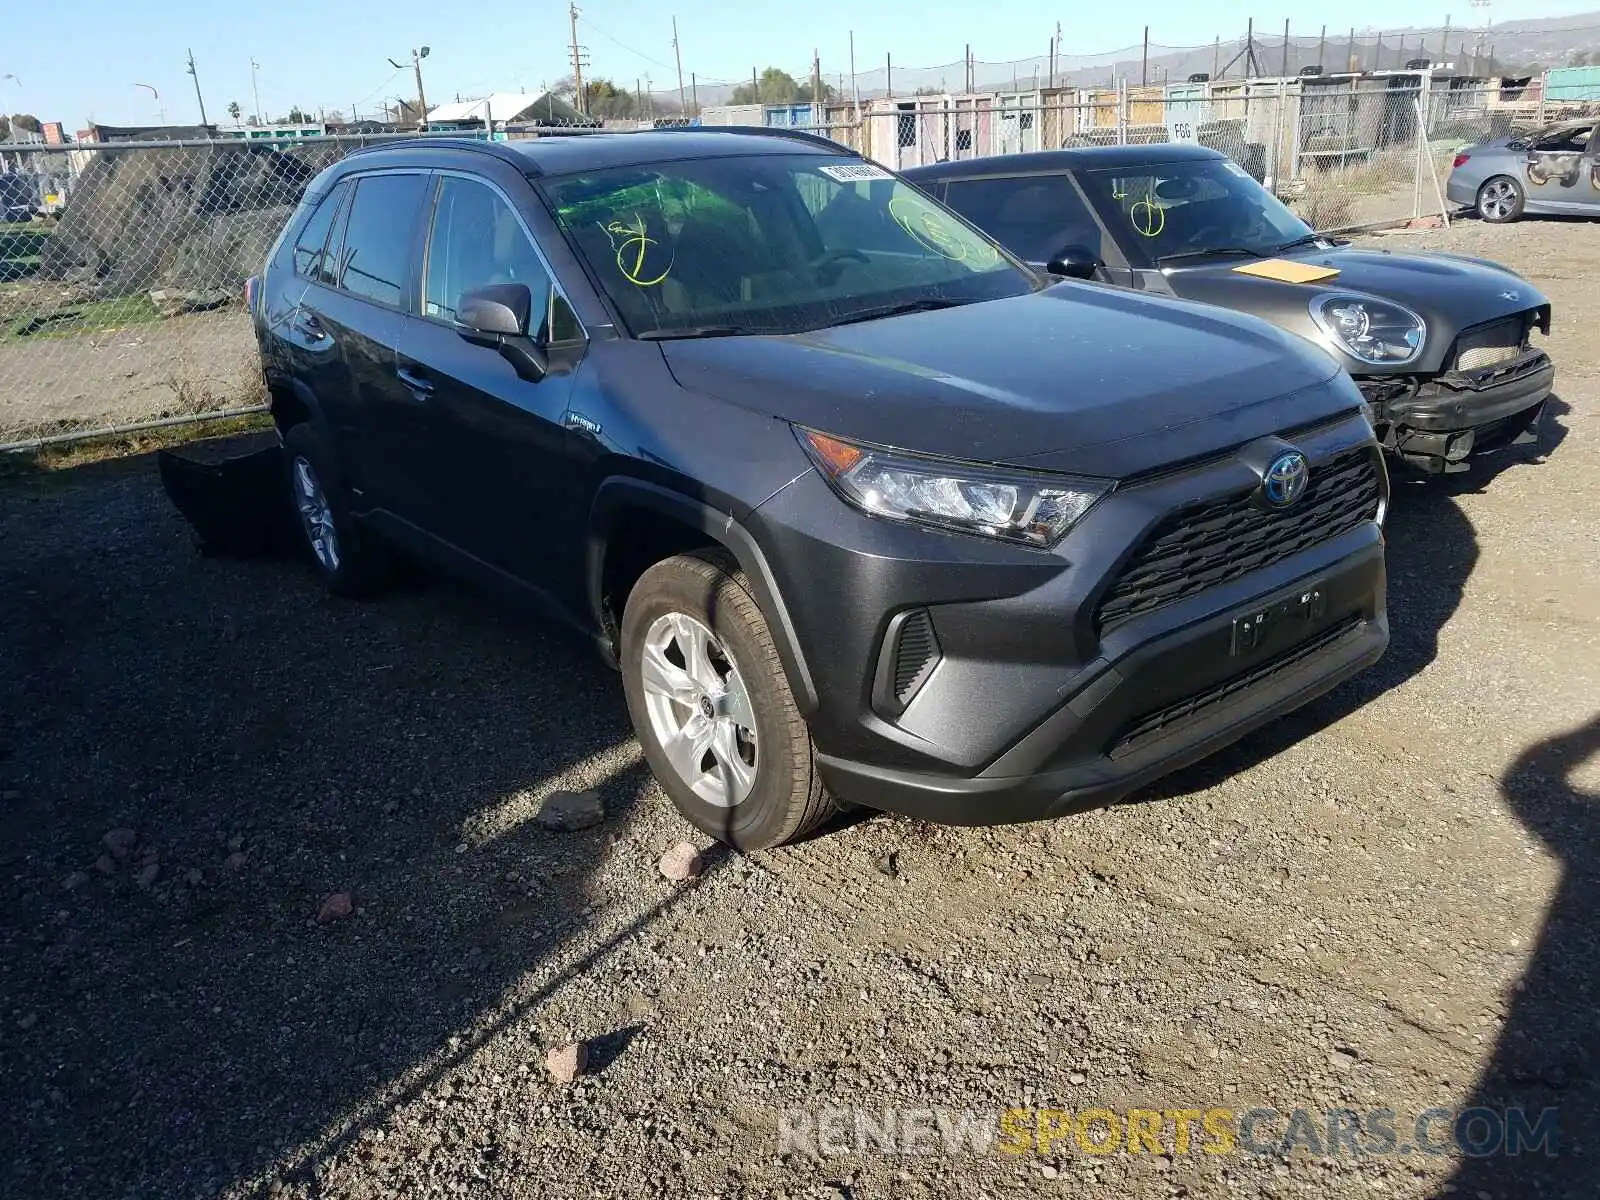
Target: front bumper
1023 699
1441 423
1158 709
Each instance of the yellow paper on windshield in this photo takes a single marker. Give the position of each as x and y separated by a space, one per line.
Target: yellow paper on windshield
1285 271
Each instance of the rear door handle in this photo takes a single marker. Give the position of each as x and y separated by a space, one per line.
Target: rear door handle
419 386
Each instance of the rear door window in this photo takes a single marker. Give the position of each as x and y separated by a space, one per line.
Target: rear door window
374 259
310 246
1034 217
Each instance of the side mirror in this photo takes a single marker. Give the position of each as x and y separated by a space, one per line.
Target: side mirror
1074 262
500 308
497 317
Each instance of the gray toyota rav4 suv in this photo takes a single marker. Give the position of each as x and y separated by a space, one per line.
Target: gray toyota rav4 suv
865 510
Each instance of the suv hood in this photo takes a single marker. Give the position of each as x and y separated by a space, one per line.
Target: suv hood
1073 378
1449 292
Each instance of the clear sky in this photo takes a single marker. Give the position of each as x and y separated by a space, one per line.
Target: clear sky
82 59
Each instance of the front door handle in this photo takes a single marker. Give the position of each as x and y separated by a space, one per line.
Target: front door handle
420 387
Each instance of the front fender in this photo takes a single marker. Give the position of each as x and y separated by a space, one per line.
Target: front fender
619 496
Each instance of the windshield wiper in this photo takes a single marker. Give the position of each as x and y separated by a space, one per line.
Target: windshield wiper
926 304
1245 250
1300 241
693 331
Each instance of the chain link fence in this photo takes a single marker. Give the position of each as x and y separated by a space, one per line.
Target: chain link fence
122 265
121 296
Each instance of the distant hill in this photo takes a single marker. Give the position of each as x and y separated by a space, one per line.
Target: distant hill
1526 46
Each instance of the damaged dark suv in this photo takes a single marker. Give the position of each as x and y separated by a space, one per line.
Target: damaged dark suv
865 510
1439 344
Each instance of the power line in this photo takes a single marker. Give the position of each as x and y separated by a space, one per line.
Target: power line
621 45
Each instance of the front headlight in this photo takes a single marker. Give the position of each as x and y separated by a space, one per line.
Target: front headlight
1375 331
1013 506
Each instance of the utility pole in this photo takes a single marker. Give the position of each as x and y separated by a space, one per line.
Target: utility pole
1483 37
1144 66
422 97
816 81
683 103
1322 45
888 75
1350 51
694 93
1216 58
197 95
855 96
577 64
254 89
1283 73
966 68
755 88
1377 53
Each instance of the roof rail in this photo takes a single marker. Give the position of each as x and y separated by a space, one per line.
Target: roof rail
793 135
497 149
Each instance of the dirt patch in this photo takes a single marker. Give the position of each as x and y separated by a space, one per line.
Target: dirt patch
206 362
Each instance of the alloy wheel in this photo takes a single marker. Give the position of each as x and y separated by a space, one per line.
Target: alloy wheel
700 711
316 515
1499 200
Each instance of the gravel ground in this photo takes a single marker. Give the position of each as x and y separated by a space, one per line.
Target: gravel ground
1383 901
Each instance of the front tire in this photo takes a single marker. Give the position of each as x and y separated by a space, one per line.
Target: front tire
712 707
1501 199
347 557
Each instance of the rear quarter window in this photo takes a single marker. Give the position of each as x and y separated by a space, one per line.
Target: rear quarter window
310 242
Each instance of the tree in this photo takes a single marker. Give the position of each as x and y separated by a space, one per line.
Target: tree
234 110
297 116
775 86
5 128
25 122
1580 58
604 99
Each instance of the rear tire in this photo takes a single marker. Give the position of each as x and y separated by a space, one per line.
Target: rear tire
1501 200
349 560
712 707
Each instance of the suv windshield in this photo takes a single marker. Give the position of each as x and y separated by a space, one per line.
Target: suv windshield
1190 208
774 243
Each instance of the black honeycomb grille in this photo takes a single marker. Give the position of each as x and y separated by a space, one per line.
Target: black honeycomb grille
1207 545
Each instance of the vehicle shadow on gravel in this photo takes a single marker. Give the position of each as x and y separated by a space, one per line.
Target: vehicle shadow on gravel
1548 1054
176 1018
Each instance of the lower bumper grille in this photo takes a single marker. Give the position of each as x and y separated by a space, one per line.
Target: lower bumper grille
1175 716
